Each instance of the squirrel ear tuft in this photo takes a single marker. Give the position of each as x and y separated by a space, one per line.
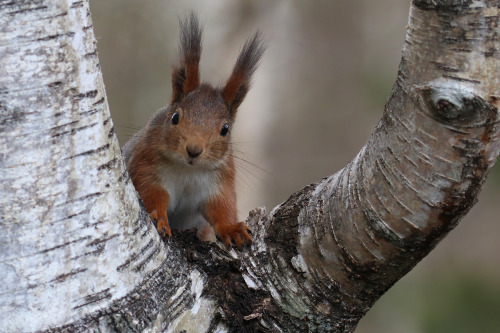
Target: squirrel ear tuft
238 84
186 76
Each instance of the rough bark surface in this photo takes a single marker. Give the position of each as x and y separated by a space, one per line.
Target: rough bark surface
78 252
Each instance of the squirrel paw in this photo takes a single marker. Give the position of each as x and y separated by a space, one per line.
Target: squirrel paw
237 232
162 224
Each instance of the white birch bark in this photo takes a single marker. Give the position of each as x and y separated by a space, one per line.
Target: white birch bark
77 251
72 240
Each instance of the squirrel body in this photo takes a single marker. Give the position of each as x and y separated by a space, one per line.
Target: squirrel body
181 163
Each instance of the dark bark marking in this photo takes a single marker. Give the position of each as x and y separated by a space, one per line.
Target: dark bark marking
62 277
135 256
64 125
461 50
89 152
125 177
94 298
73 130
90 112
7 4
85 211
182 301
490 53
62 14
111 132
77 4
65 244
95 224
90 253
46 38
452 40
146 231
445 68
102 240
138 228
142 263
106 121
85 197
87 94
26 9
91 54
55 84
100 101
108 166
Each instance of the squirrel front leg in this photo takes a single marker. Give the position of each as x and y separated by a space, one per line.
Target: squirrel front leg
156 200
221 213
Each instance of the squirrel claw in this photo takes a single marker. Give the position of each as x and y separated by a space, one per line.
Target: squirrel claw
237 233
162 224
164 228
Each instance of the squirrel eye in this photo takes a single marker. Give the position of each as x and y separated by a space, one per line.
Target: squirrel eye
175 118
224 130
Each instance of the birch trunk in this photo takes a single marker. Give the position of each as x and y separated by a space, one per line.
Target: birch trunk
78 252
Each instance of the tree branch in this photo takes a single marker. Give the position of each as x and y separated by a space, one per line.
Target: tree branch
78 252
73 239
344 241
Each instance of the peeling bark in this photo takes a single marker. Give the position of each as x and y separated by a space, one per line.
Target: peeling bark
78 252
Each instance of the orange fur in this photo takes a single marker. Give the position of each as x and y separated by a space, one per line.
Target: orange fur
221 212
156 201
142 169
192 73
233 85
238 84
186 77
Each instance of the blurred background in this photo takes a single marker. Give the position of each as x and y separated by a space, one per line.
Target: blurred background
316 98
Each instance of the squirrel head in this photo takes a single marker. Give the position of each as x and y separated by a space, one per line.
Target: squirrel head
197 128
200 117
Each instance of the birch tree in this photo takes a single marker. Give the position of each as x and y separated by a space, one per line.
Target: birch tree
78 252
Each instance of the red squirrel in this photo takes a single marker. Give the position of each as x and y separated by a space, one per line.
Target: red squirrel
181 163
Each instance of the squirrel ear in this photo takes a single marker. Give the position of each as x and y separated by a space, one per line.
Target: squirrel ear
186 76
238 84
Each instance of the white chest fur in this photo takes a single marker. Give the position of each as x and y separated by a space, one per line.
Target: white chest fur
189 189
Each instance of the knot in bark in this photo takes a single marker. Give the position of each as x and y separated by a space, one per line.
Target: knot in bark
456 105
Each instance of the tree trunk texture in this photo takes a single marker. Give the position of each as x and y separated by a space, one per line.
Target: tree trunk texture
78 252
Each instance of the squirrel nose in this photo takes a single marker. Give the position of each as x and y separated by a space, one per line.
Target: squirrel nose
194 150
